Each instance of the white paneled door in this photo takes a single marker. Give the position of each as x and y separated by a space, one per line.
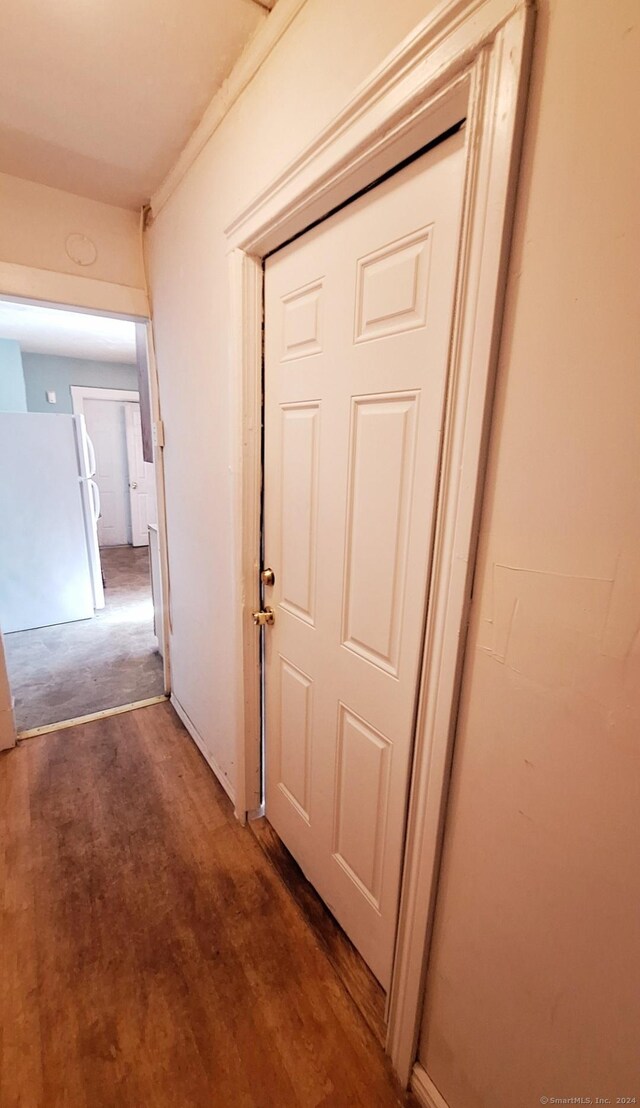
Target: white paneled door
125 481
106 428
358 324
142 489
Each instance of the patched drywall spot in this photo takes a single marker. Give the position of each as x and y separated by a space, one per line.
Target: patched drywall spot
529 597
564 631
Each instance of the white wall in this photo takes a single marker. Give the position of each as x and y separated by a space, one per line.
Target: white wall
304 83
35 224
533 976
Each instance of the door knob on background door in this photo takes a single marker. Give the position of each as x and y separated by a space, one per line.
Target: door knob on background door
133 484
266 616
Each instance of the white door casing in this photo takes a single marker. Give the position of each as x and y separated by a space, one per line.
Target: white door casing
105 421
357 326
142 491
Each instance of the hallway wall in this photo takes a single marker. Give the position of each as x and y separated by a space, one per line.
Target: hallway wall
534 976
531 987
307 78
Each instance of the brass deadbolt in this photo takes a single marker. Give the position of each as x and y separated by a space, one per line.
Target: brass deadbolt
266 616
268 577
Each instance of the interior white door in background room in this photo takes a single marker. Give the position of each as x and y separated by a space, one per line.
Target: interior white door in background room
105 422
357 332
142 487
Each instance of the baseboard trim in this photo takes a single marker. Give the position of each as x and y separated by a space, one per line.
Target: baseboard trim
199 741
424 1089
35 732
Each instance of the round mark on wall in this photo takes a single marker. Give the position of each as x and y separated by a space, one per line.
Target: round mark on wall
81 249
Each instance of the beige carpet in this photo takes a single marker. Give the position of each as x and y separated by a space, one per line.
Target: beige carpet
72 669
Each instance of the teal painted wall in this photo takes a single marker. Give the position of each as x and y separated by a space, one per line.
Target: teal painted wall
12 389
45 372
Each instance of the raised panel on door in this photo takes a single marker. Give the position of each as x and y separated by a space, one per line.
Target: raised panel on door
392 287
298 545
360 803
357 331
293 743
301 322
381 464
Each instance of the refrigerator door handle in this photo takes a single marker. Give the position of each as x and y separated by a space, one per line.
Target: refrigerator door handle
92 455
95 499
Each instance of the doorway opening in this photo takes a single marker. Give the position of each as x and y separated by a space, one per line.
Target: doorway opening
81 583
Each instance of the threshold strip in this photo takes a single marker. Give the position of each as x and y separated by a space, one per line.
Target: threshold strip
34 732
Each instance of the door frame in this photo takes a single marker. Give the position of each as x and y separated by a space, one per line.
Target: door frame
80 393
469 59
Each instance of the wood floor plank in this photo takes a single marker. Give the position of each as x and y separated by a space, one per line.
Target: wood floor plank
20 1051
151 954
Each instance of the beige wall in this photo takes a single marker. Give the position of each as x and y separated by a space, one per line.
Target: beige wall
35 222
533 988
531 978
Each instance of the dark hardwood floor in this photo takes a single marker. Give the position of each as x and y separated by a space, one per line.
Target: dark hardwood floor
151 954
354 973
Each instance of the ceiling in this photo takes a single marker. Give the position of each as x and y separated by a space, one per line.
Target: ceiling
98 97
71 334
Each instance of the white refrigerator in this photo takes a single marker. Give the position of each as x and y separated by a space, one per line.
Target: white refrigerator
50 568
